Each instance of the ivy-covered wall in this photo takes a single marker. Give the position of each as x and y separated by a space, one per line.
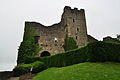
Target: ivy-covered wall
28 47
70 44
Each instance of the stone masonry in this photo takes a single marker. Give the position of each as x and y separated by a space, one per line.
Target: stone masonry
72 24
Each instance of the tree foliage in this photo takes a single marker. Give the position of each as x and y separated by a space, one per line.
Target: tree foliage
28 47
118 37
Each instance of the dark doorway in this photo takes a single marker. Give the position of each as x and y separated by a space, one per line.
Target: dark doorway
45 53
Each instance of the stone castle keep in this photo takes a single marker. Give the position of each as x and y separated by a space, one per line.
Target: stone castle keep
72 24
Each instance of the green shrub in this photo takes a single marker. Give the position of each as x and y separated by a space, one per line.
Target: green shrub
38 66
31 59
25 68
22 69
28 46
69 44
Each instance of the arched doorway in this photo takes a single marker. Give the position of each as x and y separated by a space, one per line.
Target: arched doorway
45 53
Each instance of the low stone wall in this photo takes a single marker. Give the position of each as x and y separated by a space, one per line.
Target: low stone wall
5 75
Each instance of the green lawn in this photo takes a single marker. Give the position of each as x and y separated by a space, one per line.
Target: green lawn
82 71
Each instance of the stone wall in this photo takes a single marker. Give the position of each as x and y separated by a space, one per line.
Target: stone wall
5 75
72 24
91 39
110 39
51 38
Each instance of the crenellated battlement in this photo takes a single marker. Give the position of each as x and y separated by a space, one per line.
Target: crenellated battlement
69 9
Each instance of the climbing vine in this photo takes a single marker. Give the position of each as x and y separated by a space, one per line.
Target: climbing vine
28 47
69 44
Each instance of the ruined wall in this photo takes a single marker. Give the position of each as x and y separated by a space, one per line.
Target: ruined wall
110 39
5 75
91 39
72 24
51 37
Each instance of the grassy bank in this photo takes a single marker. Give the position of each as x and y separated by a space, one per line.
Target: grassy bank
82 71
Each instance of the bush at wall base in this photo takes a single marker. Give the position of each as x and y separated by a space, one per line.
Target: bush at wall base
29 68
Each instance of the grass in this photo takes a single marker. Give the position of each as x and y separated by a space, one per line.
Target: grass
82 71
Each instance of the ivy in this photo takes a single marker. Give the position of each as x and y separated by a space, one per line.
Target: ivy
69 44
28 47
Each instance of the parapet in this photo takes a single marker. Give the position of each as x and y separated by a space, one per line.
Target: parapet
75 10
67 9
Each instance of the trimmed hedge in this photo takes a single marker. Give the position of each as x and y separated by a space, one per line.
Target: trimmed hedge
93 52
25 68
66 58
61 59
31 59
103 51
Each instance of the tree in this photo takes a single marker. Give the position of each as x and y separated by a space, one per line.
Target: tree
118 37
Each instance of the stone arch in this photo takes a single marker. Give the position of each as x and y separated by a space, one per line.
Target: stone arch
45 53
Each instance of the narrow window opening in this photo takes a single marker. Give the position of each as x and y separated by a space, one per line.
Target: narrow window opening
73 20
76 37
77 29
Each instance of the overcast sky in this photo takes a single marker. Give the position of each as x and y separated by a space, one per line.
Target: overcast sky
102 16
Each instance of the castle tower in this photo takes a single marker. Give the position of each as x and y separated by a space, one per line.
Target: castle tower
75 22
